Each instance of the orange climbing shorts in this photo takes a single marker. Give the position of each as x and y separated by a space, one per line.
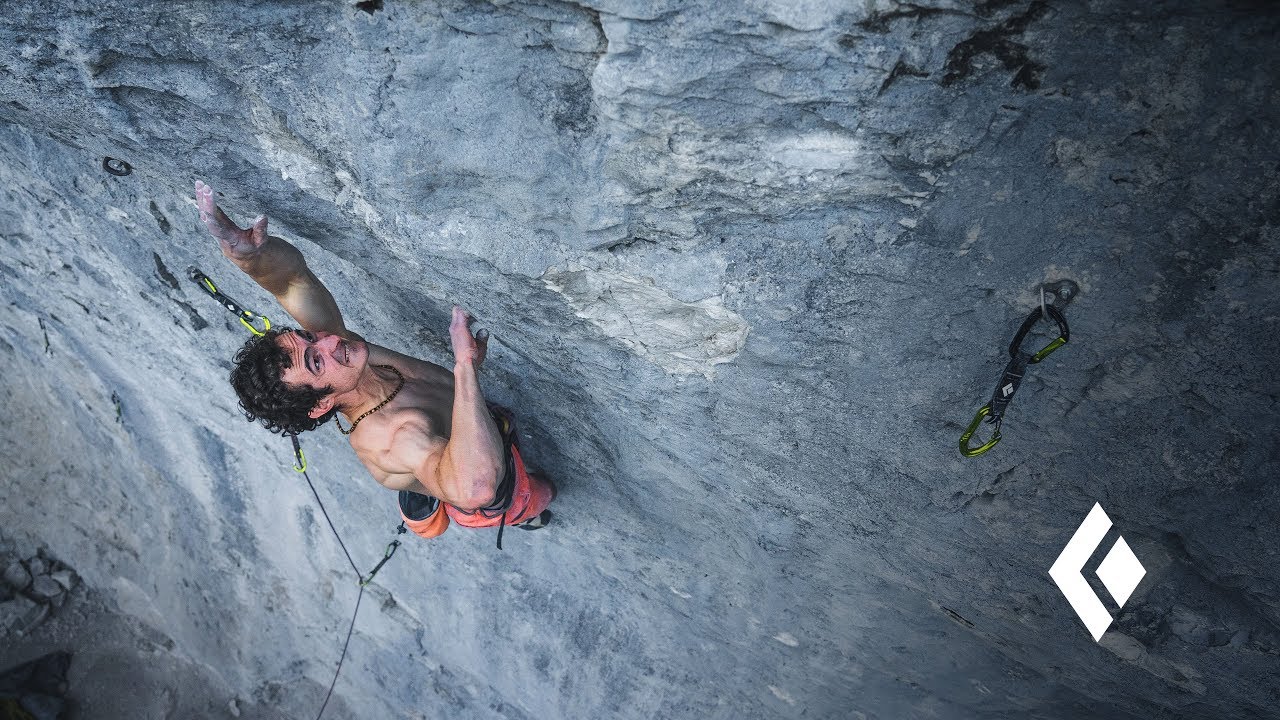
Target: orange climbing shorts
529 498
428 517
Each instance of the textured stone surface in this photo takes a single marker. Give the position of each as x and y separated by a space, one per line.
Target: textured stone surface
16 576
749 269
45 588
16 613
64 578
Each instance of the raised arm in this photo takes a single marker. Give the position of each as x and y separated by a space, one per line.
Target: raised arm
274 264
473 457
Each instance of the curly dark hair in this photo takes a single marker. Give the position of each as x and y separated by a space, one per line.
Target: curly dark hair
265 397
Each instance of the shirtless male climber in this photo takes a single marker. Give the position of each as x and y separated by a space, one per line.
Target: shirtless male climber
419 428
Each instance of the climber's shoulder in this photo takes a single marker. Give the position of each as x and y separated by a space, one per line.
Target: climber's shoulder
412 367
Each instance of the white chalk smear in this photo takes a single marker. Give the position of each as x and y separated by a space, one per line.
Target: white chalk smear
781 694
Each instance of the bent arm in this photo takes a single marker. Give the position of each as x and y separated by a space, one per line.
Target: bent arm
462 471
473 459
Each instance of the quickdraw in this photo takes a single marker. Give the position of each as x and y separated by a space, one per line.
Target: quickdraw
247 317
1016 369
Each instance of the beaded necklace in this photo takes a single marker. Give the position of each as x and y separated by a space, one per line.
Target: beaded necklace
378 407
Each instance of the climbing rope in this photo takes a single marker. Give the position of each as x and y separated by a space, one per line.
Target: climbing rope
248 318
301 467
391 549
993 412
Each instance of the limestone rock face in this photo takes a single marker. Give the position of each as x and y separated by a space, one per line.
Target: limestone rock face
749 270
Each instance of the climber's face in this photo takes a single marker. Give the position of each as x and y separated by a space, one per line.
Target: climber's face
321 360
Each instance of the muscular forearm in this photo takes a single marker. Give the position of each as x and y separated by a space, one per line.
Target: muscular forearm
474 452
275 265
282 271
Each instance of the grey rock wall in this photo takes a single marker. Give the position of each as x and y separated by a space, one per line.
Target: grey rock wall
749 269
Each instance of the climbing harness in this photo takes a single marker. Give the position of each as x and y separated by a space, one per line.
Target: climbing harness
993 412
426 517
247 317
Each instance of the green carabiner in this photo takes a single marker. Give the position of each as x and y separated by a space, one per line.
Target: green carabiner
301 465
973 427
1049 313
1062 340
251 315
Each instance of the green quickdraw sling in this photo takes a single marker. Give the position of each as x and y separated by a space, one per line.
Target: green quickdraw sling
247 317
993 412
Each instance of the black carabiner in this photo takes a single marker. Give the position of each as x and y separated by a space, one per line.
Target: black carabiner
1064 333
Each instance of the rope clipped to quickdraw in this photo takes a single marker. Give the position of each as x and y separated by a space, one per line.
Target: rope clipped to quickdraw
364 580
993 412
247 317
301 467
